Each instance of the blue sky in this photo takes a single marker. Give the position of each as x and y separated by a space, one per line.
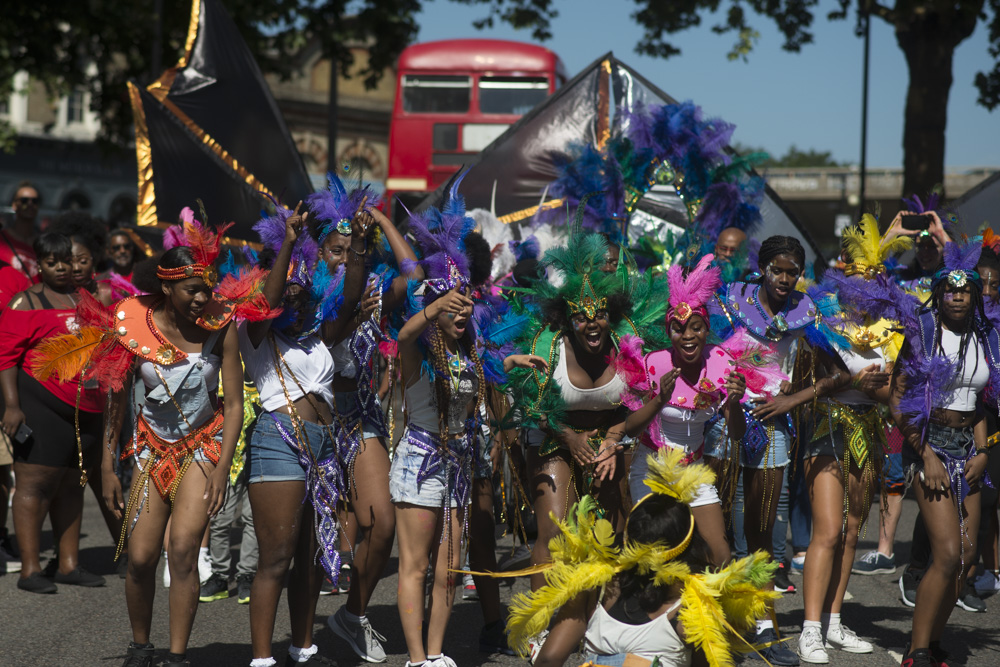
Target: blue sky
811 99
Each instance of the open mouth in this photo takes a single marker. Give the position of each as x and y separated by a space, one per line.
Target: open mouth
593 339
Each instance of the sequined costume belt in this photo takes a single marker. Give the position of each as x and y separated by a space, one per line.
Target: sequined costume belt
169 458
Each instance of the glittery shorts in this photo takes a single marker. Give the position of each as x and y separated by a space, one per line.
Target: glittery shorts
775 455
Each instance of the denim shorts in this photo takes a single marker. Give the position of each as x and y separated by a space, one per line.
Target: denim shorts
403 484
775 455
831 444
346 403
271 459
956 442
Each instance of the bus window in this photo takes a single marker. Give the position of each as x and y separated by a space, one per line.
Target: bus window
436 93
511 95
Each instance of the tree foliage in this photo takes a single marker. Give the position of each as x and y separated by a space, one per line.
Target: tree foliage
794 158
99 45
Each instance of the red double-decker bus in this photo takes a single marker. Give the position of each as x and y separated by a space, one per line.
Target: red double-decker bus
453 98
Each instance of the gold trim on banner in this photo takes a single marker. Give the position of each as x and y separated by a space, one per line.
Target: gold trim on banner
166 80
518 216
603 105
145 213
215 147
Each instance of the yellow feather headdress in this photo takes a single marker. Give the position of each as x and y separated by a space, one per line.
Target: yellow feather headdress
868 250
716 606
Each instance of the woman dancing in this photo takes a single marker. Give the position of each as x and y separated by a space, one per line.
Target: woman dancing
684 387
951 355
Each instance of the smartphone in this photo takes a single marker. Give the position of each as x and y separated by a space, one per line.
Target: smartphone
23 433
917 223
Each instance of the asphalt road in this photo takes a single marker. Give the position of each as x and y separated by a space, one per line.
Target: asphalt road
79 626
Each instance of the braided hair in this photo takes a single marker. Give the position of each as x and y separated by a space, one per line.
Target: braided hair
780 245
970 333
442 379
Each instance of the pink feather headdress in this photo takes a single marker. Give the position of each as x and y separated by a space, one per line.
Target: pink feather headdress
689 294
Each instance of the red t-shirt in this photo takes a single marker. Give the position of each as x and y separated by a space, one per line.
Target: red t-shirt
19 255
22 330
12 281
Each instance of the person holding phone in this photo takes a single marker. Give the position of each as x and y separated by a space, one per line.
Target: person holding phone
40 416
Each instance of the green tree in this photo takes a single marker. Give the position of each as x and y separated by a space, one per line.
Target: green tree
927 31
98 46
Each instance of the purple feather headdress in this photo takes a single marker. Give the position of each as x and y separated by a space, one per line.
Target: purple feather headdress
335 207
440 236
960 260
305 252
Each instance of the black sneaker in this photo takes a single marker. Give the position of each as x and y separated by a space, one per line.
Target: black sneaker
327 587
344 580
908 583
776 654
919 658
139 655
243 584
969 601
51 568
493 639
782 584
175 660
79 577
36 583
216 588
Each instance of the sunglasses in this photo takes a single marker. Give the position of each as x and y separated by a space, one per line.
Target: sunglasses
26 201
122 246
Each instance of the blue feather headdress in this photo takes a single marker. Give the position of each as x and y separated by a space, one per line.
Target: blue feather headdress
305 252
335 207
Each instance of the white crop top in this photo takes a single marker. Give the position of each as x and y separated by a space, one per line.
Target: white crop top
420 402
209 368
656 639
973 375
857 362
605 397
684 428
343 359
309 360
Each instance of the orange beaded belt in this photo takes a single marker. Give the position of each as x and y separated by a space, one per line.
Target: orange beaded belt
170 459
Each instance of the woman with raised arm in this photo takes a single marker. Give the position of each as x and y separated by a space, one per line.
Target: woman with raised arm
359 421
293 452
949 363
444 390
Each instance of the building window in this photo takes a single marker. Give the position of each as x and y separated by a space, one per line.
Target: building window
75 107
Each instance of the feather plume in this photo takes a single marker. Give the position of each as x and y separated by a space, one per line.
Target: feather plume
959 256
757 362
65 356
668 475
863 243
699 285
93 313
991 240
703 622
122 288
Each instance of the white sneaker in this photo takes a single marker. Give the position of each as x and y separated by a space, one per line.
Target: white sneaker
166 571
204 566
987 584
811 647
843 638
361 637
440 661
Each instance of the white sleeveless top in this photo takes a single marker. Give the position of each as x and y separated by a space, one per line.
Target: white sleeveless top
656 639
605 397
